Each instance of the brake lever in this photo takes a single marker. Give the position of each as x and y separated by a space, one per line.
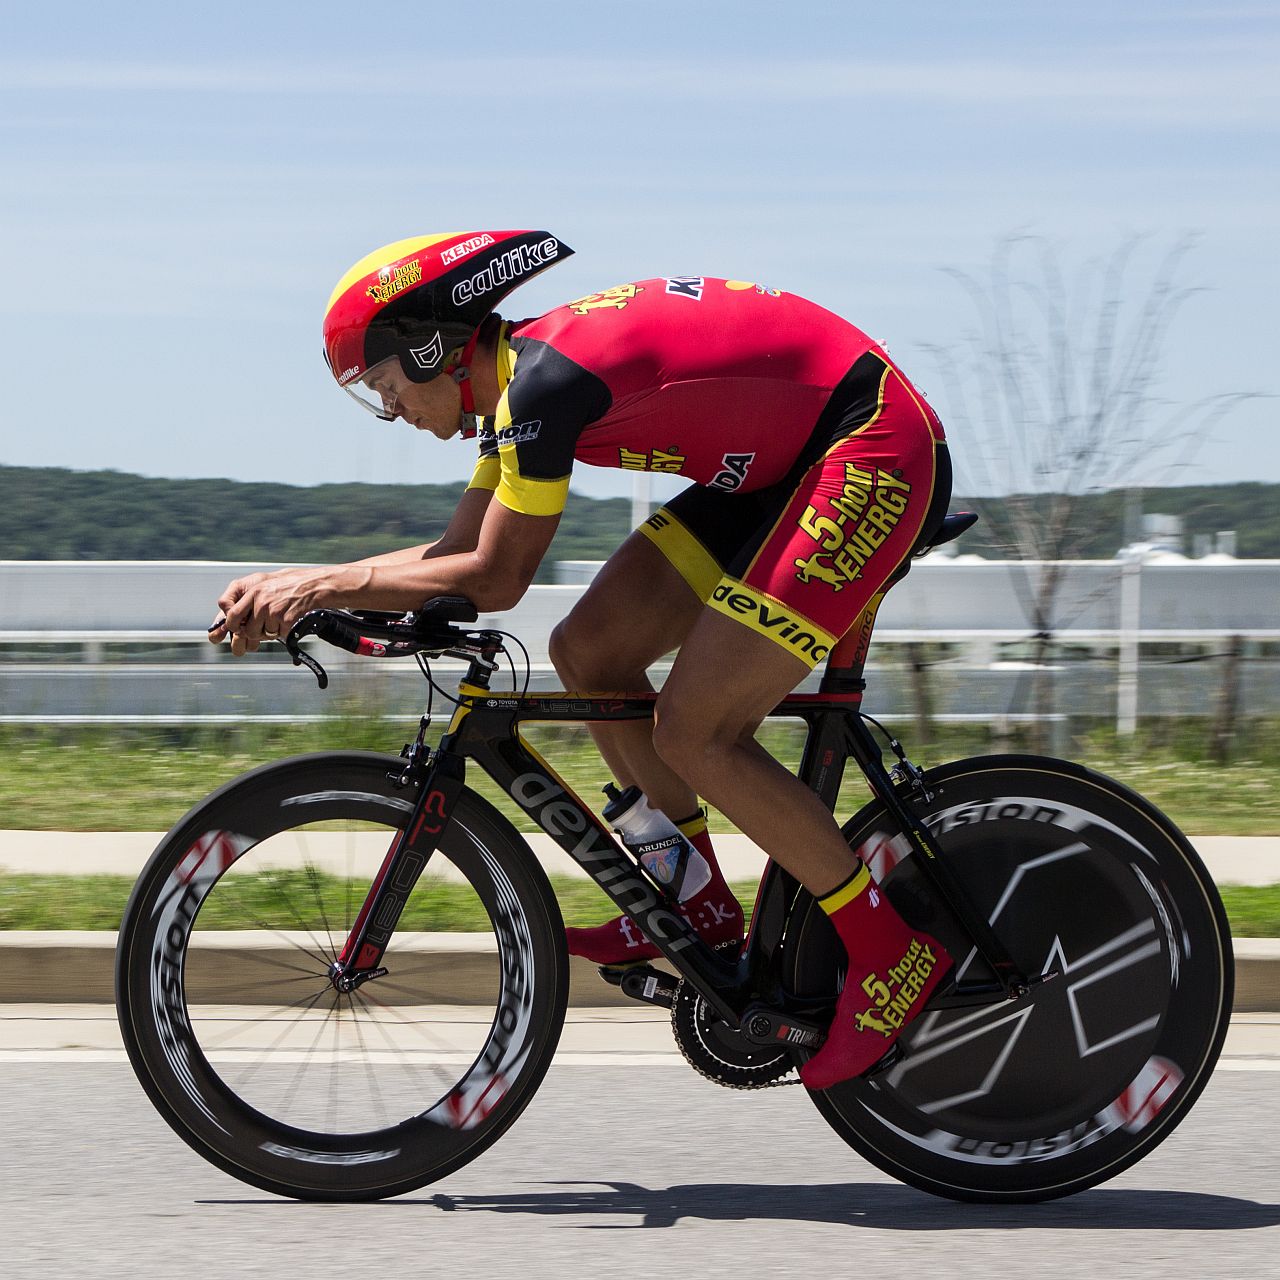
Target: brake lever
303 659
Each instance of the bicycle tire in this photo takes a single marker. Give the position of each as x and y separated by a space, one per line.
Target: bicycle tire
1075 1082
255 1059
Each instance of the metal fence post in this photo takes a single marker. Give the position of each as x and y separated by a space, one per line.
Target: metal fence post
1130 628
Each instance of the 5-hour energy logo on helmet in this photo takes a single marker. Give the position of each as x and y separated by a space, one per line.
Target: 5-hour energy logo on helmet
864 515
394 280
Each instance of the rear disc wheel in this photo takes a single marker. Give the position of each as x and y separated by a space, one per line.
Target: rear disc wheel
1062 1089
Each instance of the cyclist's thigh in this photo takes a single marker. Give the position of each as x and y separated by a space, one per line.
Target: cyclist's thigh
649 593
852 519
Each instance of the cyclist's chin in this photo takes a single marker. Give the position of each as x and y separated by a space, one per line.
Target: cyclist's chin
441 430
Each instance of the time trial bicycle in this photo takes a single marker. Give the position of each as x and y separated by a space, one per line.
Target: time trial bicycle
292 1016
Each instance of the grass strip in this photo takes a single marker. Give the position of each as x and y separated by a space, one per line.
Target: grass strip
293 901
136 779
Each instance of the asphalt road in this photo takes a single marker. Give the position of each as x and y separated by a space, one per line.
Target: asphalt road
640 1169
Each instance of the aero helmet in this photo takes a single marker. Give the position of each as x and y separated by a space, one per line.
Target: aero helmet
418 300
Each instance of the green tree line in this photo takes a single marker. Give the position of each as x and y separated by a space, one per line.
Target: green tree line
54 514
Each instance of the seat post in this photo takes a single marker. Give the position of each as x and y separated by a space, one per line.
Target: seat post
848 655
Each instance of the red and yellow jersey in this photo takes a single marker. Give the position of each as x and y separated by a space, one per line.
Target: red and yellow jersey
720 381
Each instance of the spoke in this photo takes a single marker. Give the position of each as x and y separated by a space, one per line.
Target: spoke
274 883
304 1007
421 1025
273 879
238 1025
271 928
374 1090
287 1101
331 1110
271 961
313 878
443 1072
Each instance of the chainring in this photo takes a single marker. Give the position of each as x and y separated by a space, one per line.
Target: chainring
720 1052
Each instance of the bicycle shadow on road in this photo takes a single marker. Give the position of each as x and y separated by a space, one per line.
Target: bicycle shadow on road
871 1205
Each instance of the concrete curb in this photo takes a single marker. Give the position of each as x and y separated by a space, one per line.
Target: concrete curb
70 967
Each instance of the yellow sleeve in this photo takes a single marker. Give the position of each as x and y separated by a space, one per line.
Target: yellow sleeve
532 497
529 495
488 469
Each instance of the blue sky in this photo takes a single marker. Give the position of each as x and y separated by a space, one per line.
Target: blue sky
183 186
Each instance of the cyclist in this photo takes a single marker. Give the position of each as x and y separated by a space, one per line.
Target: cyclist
815 468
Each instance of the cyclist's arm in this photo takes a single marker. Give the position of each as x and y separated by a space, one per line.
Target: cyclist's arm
510 519
463 533
494 576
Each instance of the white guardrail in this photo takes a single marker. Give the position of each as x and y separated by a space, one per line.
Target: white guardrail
116 640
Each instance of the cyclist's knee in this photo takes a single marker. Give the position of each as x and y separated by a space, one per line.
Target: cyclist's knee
564 653
674 737
584 647
686 741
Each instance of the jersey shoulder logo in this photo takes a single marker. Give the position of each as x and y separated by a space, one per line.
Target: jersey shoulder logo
615 298
686 287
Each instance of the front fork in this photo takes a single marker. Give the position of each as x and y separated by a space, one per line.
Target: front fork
442 780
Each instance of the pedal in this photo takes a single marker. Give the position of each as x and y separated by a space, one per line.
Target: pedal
643 982
614 973
765 1026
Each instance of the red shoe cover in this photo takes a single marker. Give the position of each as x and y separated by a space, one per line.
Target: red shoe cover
713 911
893 970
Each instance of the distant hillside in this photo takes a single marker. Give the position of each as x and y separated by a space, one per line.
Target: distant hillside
53 514
1252 510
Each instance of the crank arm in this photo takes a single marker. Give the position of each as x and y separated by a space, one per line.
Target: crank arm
643 982
764 1026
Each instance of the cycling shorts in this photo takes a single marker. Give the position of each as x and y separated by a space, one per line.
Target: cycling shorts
798 561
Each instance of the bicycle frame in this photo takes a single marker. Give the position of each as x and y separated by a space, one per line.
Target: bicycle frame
486 728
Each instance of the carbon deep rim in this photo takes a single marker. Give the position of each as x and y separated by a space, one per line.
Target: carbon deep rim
461 1078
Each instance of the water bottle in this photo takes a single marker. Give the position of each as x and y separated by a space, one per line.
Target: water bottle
659 844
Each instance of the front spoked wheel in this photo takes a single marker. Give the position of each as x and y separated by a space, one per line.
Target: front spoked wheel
1047 1095
248 1049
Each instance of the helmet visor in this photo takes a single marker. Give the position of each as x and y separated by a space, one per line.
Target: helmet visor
379 389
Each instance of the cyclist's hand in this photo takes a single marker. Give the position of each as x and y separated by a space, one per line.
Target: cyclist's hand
264 606
221 628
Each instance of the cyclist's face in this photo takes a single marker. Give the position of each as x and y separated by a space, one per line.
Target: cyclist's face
434 406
